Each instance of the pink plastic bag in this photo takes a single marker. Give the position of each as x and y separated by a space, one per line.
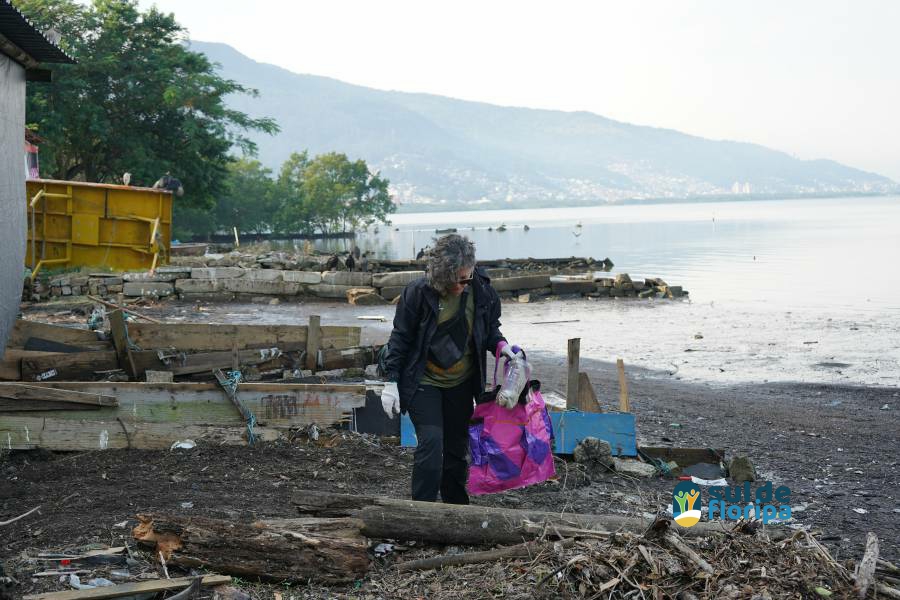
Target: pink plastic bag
511 448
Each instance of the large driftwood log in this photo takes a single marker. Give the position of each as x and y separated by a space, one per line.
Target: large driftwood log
456 524
324 550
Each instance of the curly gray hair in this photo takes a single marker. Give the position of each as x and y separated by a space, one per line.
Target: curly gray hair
451 253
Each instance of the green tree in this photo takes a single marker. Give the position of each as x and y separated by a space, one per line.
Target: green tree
330 194
138 101
249 201
293 214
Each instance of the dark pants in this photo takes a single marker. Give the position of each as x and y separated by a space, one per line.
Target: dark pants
441 418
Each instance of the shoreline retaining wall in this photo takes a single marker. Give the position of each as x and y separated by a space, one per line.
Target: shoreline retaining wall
236 283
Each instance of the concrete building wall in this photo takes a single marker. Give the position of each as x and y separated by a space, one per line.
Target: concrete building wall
12 192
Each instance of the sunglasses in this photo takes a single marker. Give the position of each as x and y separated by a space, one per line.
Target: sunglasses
465 281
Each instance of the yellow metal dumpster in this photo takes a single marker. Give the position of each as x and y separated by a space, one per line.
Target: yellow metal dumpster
77 224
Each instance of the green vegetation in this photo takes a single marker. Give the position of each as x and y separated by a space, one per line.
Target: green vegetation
139 101
326 194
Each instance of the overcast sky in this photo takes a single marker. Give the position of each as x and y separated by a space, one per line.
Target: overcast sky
816 78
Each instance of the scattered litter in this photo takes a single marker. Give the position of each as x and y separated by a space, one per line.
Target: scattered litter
675 425
860 511
184 445
709 482
885 407
75 582
383 549
121 525
187 505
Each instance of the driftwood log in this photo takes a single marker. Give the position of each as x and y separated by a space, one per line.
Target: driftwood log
477 525
324 550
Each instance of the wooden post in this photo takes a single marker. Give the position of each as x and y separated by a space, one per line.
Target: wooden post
587 399
572 381
119 331
313 341
624 406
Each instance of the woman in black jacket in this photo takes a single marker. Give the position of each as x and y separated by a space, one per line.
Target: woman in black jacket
444 325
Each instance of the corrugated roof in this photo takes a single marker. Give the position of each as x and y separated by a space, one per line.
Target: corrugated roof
21 32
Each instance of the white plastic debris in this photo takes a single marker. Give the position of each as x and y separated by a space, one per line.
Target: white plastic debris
187 505
382 549
861 511
184 445
709 482
121 525
75 582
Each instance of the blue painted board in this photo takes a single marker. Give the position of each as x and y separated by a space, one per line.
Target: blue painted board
572 426
569 428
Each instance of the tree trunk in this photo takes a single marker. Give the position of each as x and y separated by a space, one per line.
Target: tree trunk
324 550
456 524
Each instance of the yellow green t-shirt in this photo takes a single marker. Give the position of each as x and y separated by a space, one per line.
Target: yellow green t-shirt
458 373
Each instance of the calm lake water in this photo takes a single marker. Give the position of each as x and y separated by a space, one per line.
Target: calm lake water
837 253
783 290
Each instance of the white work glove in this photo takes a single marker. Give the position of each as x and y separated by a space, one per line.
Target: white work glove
390 399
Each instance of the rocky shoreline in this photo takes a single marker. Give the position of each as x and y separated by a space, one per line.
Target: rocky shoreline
239 276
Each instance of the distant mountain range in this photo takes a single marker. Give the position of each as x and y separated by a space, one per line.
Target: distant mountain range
455 154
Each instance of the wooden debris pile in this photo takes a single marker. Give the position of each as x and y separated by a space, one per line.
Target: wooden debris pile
150 384
332 555
129 349
656 564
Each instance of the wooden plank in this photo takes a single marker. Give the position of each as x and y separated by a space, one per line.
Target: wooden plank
131 589
36 344
11 365
21 391
202 362
7 405
78 366
313 342
205 337
119 330
154 415
624 406
574 360
586 400
23 330
348 358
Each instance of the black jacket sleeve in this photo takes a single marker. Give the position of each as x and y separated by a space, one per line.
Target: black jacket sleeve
403 336
494 335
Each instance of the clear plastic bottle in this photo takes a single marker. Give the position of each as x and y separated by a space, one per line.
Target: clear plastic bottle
516 375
